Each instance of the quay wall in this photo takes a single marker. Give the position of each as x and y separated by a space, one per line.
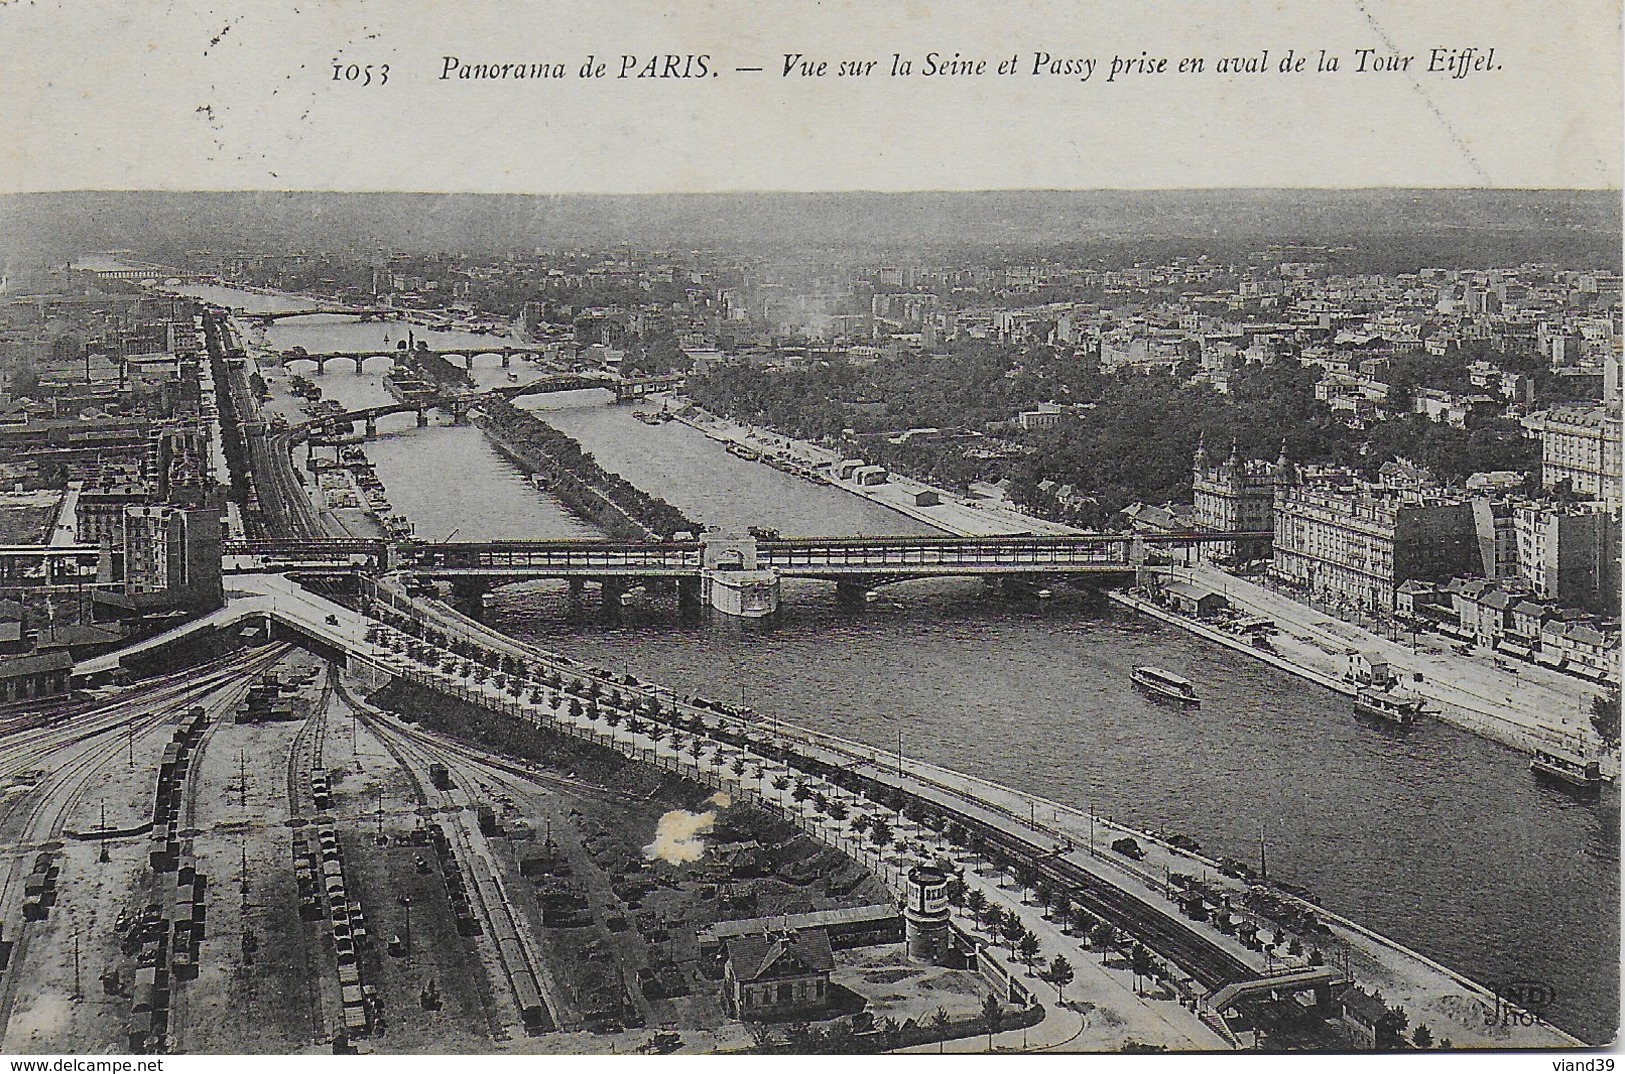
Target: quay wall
1229 641
1488 725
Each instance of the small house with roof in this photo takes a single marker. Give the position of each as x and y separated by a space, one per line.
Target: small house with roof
1188 598
1367 1019
775 974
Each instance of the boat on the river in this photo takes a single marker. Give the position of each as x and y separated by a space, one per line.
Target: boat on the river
1570 773
1165 683
749 454
1400 710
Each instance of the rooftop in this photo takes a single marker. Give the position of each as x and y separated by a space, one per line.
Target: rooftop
771 957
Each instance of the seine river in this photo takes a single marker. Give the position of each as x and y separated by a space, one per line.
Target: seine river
1438 839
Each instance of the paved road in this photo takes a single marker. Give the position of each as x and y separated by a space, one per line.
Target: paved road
954 514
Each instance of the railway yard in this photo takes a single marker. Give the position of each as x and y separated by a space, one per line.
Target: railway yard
250 857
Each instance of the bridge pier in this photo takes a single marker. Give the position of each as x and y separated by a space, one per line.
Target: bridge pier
372 428
468 595
423 418
468 361
852 590
358 362
578 590
1011 585
321 366
750 594
507 359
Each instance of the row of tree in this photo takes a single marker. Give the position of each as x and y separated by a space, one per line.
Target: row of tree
574 473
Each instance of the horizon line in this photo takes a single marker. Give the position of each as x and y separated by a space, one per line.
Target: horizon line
764 191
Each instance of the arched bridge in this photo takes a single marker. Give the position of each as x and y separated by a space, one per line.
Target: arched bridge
468 353
364 313
626 389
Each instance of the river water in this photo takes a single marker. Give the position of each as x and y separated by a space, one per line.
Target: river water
1438 839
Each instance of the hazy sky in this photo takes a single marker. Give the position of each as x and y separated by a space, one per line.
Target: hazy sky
184 94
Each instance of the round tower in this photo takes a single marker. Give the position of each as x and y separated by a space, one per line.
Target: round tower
925 914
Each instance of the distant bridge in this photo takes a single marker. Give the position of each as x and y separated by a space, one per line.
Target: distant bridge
468 353
625 389
364 313
144 274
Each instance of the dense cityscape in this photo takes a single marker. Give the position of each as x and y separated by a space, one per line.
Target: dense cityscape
457 629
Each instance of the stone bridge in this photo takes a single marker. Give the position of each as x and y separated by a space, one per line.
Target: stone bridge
363 313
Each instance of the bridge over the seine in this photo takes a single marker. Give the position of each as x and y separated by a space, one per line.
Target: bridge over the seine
626 389
741 575
468 353
363 313
327 430
143 273
736 574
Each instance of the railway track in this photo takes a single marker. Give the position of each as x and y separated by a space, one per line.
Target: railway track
533 990
513 775
18 723
223 703
305 752
50 802
303 760
17 750
140 714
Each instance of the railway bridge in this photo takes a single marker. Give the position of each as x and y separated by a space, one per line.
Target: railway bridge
739 574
